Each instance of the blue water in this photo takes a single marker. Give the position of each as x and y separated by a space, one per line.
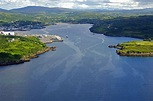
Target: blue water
82 68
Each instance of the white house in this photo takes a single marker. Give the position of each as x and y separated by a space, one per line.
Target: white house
7 33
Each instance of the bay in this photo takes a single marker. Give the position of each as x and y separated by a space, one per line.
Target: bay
82 68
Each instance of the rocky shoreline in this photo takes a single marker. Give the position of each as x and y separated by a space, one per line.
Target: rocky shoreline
135 54
115 46
27 59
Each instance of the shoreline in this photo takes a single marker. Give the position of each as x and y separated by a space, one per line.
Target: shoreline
135 54
130 54
28 58
46 39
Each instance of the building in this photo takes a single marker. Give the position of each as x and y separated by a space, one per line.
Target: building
7 33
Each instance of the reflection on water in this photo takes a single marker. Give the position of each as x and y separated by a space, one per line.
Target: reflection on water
82 68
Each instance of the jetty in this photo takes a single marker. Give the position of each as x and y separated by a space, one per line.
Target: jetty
44 37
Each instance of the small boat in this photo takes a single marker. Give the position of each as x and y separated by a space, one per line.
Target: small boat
66 36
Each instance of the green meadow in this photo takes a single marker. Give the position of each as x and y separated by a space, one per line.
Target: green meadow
16 48
136 47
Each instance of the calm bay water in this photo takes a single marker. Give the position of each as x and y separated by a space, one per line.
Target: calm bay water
82 68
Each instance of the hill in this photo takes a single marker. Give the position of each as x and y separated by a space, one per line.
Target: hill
11 49
39 9
3 10
137 27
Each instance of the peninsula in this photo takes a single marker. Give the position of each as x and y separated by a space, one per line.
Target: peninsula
19 49
135 48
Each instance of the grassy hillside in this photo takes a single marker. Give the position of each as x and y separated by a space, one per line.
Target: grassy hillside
136 48
16 48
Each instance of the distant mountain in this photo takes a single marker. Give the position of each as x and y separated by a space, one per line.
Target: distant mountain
147 10
39 9
3 10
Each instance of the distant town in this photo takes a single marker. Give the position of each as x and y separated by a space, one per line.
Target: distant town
21 26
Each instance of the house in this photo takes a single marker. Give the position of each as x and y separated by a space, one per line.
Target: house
7 33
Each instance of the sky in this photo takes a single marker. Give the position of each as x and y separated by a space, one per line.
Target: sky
79 4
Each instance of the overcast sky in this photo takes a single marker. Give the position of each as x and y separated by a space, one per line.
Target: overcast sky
79 4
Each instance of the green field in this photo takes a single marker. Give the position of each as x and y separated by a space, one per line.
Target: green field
16 48
136 48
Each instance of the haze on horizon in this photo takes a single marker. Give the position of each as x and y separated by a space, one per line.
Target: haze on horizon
79 4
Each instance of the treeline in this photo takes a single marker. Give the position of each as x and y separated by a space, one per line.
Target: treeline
138 27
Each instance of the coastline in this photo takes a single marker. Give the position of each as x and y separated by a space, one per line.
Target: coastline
134 49
28 58
135 54
43 38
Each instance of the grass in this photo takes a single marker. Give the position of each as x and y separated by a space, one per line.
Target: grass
16 48
136 47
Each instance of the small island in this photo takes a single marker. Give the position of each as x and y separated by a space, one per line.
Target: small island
134 48
19 49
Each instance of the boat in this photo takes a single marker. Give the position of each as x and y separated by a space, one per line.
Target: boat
66 36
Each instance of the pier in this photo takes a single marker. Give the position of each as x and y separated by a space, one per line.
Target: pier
44 37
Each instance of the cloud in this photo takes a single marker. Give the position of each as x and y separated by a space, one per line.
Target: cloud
144 3
99 4
9 4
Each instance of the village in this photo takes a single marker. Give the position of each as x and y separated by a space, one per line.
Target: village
21 26
42 37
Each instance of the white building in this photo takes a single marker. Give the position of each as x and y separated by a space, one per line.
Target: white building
7 33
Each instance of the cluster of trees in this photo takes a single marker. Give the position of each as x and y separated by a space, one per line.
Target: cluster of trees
138 27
